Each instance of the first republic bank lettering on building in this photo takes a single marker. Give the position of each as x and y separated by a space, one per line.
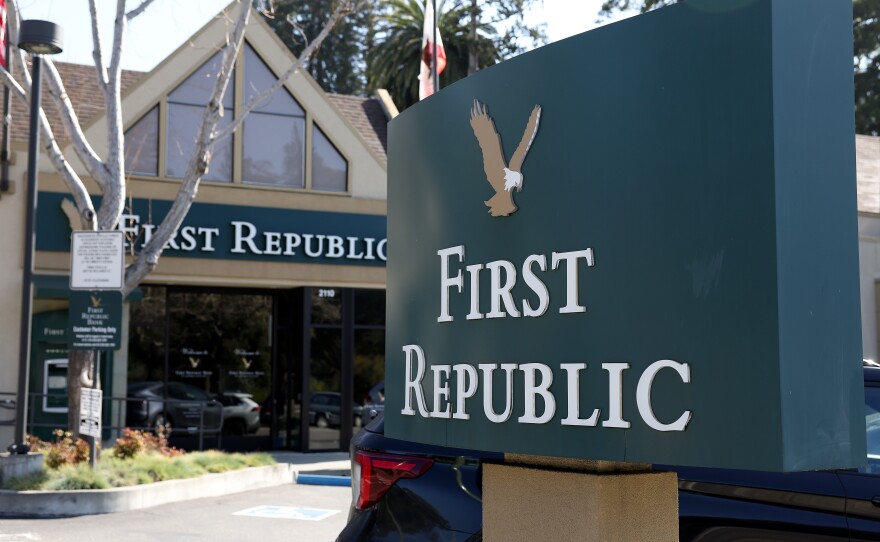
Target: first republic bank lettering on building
238 232
650 258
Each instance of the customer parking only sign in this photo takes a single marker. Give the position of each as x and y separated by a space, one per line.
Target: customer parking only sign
637 244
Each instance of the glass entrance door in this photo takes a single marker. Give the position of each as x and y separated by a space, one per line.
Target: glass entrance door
221 344
325 412
346 363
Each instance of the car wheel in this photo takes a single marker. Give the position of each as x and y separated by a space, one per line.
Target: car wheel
321 421
162 425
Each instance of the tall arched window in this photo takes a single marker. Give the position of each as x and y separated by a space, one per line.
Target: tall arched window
186 106
274 133
329 168
279 144
142 145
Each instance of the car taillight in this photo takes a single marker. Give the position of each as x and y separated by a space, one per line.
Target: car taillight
375 473
255 409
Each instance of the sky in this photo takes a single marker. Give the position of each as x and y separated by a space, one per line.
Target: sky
166 24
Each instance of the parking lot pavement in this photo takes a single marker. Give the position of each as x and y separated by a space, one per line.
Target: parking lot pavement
292 513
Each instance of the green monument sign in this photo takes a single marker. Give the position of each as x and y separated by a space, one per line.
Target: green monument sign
637 244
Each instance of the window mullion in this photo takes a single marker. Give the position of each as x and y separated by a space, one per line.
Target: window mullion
238 106
308 151
162 137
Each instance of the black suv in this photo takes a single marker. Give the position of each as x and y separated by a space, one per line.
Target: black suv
408 491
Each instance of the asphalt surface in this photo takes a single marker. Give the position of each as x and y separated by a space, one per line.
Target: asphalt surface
297 513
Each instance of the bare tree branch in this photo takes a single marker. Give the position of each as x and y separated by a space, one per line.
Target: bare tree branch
113 201
90 159
148 259
98 50
138 10
118 38
343 9
73 181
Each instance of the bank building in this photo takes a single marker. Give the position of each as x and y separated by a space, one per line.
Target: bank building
269 304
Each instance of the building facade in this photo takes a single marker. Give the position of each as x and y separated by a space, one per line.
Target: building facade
269 301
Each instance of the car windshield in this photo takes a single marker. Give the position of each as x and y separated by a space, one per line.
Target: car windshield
186 392
872 426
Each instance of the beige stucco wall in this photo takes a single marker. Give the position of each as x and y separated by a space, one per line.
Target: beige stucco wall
869 274
12 219
868 172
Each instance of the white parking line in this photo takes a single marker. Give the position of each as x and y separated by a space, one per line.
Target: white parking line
287 512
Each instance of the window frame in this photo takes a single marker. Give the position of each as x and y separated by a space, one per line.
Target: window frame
311 141
238 86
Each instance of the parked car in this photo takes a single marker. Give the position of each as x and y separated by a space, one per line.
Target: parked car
374 400
407 491
186 410
325 408
241 414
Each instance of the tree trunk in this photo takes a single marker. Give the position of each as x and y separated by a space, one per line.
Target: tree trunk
80 369
472 49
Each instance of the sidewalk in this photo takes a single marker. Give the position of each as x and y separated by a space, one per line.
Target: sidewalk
334 466
324 463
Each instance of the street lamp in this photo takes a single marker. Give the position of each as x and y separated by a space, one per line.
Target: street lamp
38 38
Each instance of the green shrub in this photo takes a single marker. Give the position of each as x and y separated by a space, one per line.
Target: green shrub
119 473
160 468
64 451
129 445
143 468
26 483
133 443
77 477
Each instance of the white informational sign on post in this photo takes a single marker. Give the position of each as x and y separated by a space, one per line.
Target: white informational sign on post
97 260
90 412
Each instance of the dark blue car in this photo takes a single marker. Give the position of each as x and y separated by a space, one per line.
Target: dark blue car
408 491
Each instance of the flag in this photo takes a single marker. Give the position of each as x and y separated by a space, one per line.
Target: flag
426 77
3 33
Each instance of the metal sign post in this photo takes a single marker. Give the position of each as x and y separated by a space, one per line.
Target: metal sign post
97 273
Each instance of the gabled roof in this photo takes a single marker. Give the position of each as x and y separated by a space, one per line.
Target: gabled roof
364 114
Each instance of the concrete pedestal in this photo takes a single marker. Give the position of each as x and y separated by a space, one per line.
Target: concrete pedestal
600 502
15 466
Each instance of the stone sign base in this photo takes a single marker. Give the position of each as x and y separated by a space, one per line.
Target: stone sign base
15 466
597 502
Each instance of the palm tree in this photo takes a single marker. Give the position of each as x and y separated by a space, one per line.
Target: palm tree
393 63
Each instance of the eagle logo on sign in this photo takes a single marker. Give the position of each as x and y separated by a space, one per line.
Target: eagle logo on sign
502 176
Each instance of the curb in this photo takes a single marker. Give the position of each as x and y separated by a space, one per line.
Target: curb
50 504
323 480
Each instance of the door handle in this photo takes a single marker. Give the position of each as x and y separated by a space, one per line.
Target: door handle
876 501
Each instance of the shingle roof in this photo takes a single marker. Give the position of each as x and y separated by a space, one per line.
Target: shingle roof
368 118
365 114
81 84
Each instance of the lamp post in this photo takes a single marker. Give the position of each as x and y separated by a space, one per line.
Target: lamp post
38 38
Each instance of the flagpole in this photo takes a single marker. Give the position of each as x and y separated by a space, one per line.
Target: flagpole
4 145
435 75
